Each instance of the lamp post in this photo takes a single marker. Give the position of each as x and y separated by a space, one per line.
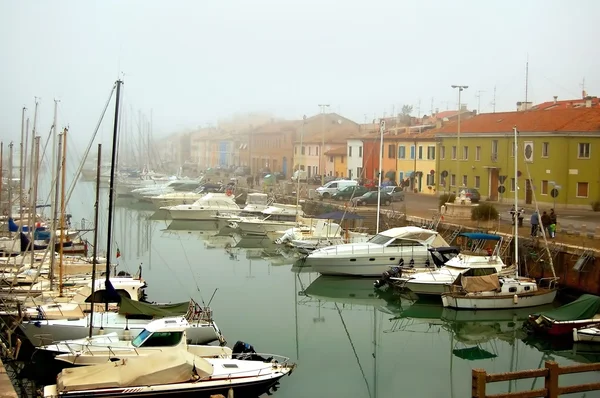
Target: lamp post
322 156
458 184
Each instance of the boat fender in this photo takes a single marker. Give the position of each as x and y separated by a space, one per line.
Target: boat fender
411 263
401 263
515 299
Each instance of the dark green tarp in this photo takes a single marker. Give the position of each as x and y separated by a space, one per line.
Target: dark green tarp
585 307
473 353
137 308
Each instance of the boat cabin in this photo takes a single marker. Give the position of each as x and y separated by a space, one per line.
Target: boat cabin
281 212
166 332
408 237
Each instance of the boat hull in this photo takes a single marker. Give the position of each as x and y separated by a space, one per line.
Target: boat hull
429 288
204 389
559 328
373 264
261 228
587 335
475 302
194 215
42 332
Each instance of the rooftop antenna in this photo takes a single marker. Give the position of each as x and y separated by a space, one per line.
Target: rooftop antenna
478 96
583 93
494 101
526 82
431 110
419 109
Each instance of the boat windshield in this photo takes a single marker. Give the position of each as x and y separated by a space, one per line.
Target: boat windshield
380 239
157 339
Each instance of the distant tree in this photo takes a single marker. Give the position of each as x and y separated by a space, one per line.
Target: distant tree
407 110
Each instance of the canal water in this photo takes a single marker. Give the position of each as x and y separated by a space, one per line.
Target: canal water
348 339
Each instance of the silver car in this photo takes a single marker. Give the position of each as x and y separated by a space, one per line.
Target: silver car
395 192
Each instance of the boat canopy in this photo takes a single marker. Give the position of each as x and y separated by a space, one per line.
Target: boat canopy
476 284
585 307
132 308
173 366
480 236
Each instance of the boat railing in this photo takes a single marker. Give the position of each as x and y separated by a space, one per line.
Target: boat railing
549 283
196 312
272 360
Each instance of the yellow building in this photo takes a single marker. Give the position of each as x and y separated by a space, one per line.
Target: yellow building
337 156
416 154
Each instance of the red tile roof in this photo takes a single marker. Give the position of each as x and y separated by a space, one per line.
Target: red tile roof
583 120
336 151
566 104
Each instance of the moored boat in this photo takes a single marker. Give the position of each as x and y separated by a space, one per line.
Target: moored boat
583 312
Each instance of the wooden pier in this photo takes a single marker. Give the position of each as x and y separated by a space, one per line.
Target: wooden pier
551 372
6 388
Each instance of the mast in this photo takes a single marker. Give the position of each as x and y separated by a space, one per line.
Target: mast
1 170
23 170
381 129
516 216
21 175
10 181
34 171
95 250
62 212
54 188
112 184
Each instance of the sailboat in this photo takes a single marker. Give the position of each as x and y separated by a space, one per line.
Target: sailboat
495 292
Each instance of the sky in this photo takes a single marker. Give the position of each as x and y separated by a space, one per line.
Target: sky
191 63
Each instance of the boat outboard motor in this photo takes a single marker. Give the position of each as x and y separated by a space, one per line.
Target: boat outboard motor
385 277
243 350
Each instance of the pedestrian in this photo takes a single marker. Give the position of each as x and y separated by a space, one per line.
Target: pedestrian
535 223
552 223
546 222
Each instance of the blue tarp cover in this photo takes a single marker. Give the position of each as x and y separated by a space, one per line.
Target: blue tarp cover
480 236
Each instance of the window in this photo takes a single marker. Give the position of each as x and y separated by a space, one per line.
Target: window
342 160
582 189
430 153
412 151
401 152
317 150
584 151
512 185
453 152
350 151
545 149
349 174
430 180
494 150
464 181
545 187
477 182
442 152
391 151
295 150
309 151
512 149
359 172
453 180
303 150
360 152
331 159
420 152
477 153
465 153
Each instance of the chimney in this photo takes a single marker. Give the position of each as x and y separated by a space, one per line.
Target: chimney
523 106
555 99
588 102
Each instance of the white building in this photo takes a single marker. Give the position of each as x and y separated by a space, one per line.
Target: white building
355 159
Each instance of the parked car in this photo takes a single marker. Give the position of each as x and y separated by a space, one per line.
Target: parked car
471 193
334 186
370 198
350 192
396 192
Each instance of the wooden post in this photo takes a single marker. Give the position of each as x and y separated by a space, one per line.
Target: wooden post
478 383
551 381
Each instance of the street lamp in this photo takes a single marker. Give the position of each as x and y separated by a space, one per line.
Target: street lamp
458 184
322 167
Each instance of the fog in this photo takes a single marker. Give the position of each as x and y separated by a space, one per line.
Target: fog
192 63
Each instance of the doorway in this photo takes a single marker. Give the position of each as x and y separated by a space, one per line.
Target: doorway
528 192
494 184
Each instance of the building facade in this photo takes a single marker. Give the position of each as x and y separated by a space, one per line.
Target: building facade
354 150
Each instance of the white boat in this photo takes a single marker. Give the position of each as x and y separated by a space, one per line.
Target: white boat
276 218
436 282
174 372
306 239
205 208
176 198
590 334
132 318
146 194
499 292
403 246
160 335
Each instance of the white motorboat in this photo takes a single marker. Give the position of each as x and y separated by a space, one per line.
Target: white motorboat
175 372
590 334
436 282
176 198
403 246
205 208
147 193
160 335
307 239
276 218
132 318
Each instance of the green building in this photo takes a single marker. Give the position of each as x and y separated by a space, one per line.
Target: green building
558 153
